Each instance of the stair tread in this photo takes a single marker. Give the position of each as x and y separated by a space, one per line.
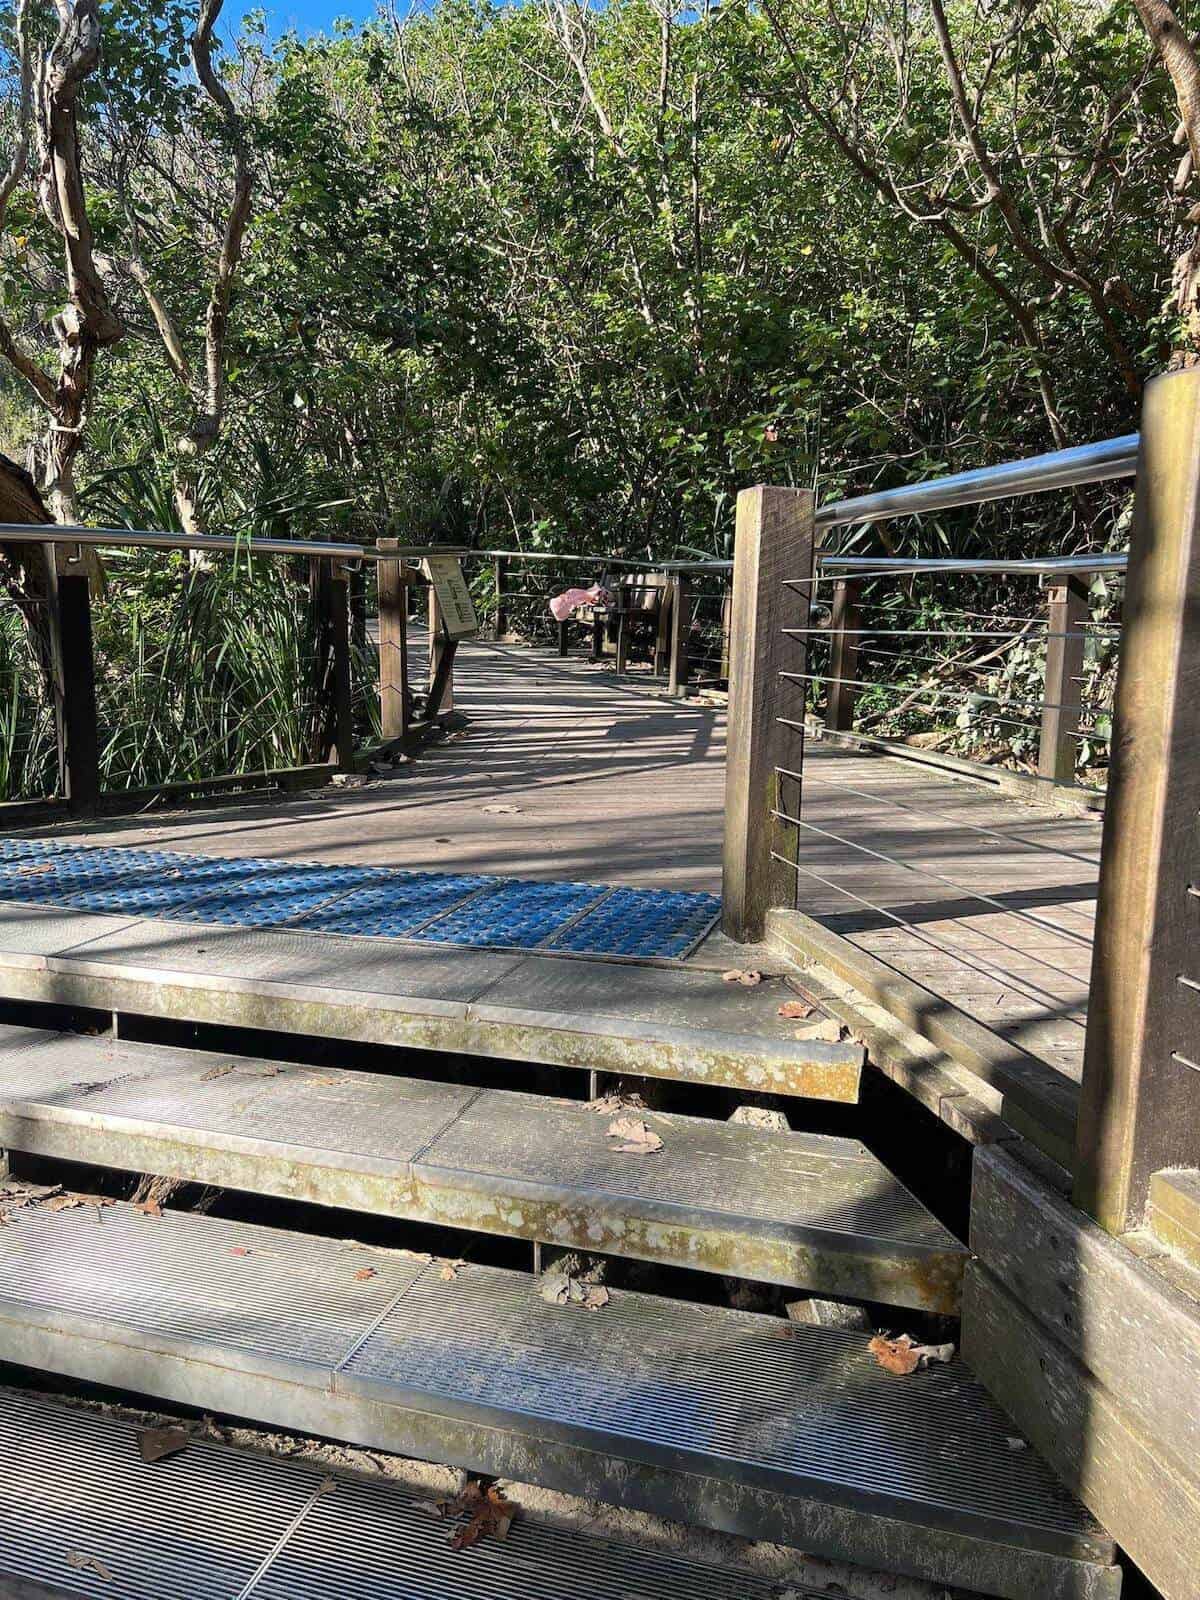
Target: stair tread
208 1522
677 1022
810 1210
727 1396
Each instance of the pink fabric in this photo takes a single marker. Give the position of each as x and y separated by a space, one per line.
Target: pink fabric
562 605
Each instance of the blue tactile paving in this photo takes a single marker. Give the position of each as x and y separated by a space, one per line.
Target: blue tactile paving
640 922
515 914
395 906
470 909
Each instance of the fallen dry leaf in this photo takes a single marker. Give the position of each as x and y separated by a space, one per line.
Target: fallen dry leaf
71 1202
270 1070
364 1273
829 1030
903 1355
32 867
796 1008
321 1077
748 979
610 1104
156 1444
500 811
490 1514
148 1208
238 1250
216 1072
85 1563
638 1138
559 1290
450 1270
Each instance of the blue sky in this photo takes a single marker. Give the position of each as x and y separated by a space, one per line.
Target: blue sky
312 16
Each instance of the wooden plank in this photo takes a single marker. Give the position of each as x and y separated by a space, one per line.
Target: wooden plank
1136 1334
1067 612
1140 1106
1027 1084
774 543
1116 1469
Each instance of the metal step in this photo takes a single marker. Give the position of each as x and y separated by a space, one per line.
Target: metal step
804 1210
727 1419
679 1021
214 1523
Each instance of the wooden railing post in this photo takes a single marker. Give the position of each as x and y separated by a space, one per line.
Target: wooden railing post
1140 1102
843 655
680 624
1066 613
393 646
78 742
774 543
438 645
500 627
342 686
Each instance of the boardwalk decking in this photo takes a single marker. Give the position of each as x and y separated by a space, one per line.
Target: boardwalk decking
566 773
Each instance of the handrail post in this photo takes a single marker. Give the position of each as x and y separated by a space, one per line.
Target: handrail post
500 626
393 646
438 644
1066 612
843 655
680 603
1140 1100
78 741
342 753
764 755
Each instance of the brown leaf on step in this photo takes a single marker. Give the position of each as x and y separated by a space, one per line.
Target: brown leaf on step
156 1444
637 1137
71 1202
449 1270
35 866
610 1104
559 1290
322 1077
796 1008
85 1563
15 1195
216 1072
829 1031
903 1355
500 811
364 1273
327 1486
148 1208
270 1070
491 1515
238 1250
748 979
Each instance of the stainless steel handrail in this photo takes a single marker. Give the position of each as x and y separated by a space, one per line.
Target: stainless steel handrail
329 549
1059 469
1031 566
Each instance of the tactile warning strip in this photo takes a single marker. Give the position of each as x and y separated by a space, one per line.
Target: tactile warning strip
469 909
83 1514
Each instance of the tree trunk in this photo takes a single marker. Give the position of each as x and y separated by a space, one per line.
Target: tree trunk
25 572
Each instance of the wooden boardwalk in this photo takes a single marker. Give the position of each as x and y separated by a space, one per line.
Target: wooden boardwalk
566 773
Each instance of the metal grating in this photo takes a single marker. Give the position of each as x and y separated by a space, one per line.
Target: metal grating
465 909
798 1405
804 1413
216 1523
